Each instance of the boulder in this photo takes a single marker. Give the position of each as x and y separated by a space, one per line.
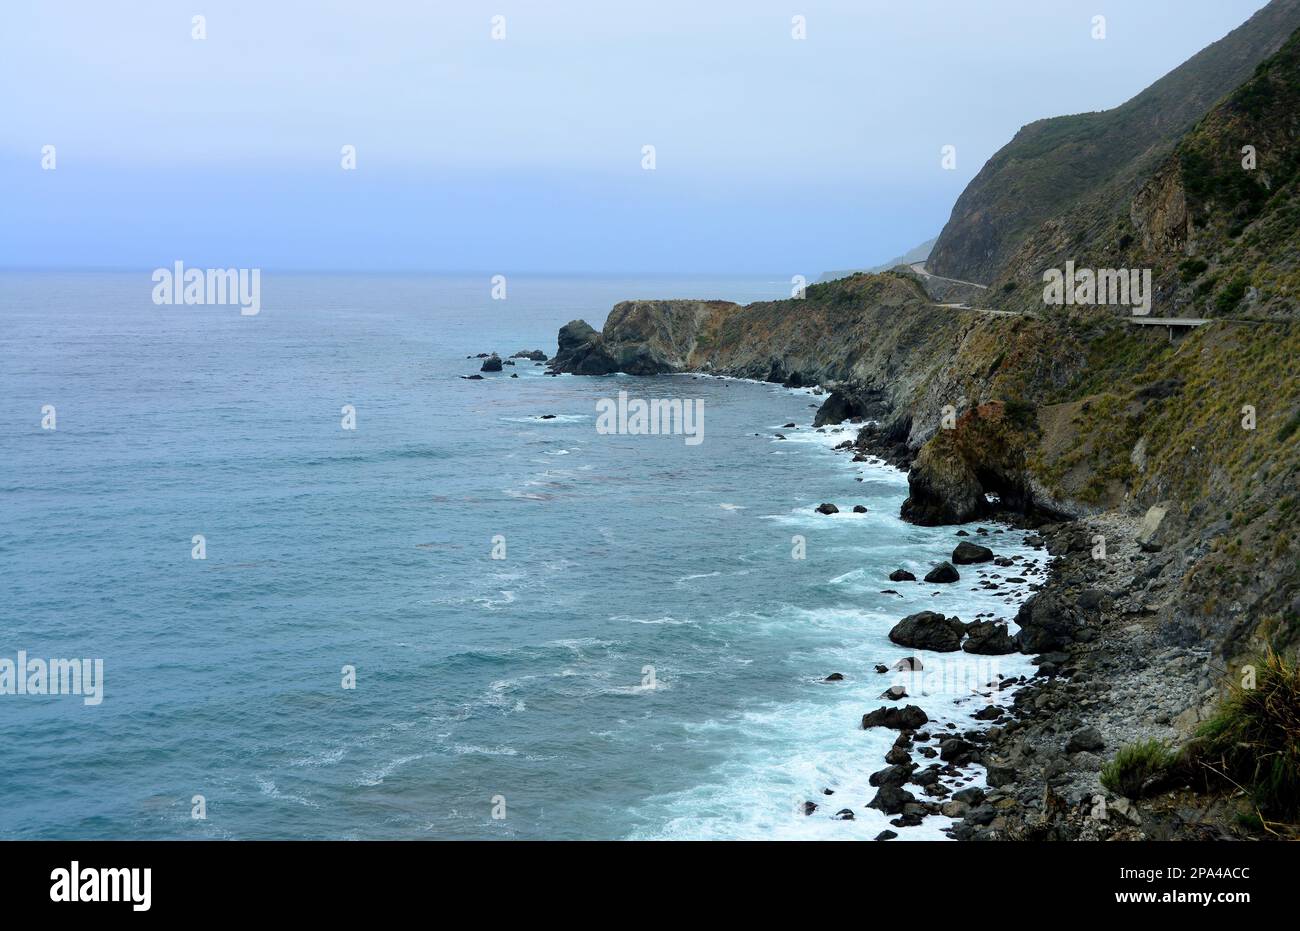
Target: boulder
827 509
898 756
837 408
909 717
956 750
891 775
891 799
928 630
988 639
942 573
1088 739
901 575
968 553
834 677
1048 621
491 364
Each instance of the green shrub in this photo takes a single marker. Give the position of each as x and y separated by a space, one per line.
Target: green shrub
1134 765
1253 740
1232 294
1190 269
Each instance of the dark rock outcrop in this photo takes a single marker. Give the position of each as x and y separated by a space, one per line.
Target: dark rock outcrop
988 639
967 554
1049 620
891 799
928 630
943 573
909 717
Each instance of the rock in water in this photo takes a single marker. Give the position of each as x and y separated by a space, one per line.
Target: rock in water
968 553
909 717
989 639
891 799
901 575
491 364
891 776
827 509
944 572
929 630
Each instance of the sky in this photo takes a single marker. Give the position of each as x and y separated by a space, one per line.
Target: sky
525 154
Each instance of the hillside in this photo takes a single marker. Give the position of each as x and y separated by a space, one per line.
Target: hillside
1091 162
1222 239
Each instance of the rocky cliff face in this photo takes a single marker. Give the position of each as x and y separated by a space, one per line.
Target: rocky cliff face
891 354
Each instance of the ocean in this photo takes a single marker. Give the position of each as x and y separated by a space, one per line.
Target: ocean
644 658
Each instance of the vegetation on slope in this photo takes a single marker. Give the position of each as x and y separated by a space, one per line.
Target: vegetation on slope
1088 163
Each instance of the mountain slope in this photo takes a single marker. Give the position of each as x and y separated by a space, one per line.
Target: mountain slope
1222 238
1091 161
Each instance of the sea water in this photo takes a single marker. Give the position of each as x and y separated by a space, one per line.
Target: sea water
462 618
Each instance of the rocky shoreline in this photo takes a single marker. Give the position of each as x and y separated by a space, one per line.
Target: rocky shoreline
1134 628
1107 677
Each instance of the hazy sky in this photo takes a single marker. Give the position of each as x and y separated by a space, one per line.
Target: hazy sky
525 154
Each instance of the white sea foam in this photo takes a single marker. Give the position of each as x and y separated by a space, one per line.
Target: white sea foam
788 752
376 776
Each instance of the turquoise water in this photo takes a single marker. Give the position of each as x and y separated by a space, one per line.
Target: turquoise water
517 686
